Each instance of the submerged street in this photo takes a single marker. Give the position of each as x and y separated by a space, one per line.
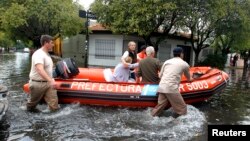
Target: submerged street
80 122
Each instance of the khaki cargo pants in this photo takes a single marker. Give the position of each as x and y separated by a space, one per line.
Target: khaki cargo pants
40 90
176 100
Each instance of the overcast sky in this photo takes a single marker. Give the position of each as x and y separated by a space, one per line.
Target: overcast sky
85 3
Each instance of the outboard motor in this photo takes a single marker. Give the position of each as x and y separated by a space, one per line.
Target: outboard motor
66 68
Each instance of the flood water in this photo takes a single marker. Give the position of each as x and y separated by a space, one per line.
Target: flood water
92 123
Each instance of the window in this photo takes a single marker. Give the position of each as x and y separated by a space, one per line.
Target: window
104 49
164 51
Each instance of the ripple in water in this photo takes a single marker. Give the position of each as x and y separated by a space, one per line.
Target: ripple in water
137 125
74 122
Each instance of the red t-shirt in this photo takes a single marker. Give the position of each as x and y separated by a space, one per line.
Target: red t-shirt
141 55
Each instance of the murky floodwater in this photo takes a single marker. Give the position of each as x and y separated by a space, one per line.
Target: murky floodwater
75 122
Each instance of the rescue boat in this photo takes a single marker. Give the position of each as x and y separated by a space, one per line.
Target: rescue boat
88 86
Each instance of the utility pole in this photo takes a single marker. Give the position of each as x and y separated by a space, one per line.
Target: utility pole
88 15
87 39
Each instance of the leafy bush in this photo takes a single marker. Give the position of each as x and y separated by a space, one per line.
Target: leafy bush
214 60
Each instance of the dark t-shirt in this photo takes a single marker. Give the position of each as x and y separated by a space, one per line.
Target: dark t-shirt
149 69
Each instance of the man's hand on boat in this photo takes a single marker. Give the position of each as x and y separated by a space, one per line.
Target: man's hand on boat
191 79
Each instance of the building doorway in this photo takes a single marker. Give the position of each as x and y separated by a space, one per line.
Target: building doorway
187 53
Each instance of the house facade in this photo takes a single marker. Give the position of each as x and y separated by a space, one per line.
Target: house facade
105 49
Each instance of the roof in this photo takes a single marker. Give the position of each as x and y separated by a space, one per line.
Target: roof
99 28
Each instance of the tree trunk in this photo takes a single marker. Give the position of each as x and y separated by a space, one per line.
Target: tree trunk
245 63
224 52
149 43
196 59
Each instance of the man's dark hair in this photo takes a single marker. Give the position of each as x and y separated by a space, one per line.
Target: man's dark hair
45 39
177 51
143 47
177 55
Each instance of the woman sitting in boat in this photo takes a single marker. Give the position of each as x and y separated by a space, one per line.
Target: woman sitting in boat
121 72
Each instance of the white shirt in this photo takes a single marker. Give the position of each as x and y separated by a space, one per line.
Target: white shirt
40 57
171 73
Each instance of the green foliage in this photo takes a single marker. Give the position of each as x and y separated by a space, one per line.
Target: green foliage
5 40
28 19
224 23
233 33
200 17
14 16
135 16
214 60
132 16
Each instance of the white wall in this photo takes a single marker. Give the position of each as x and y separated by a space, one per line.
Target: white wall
121 42
74 48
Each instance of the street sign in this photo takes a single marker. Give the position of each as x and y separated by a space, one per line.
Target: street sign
82 13
87 14
91 15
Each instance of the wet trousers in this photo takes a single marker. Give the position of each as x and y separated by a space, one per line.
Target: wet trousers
40 90
176 100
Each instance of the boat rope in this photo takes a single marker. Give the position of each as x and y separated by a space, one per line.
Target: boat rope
223 77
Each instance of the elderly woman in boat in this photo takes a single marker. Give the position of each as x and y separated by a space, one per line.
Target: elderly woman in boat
121 72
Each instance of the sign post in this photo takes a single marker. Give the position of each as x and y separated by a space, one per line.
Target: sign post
87 40
88 15
83 14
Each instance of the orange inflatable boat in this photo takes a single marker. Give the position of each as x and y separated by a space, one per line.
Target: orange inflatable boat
88 86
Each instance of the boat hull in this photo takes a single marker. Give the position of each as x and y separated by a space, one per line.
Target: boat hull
89 88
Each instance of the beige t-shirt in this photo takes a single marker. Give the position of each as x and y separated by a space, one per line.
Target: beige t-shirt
40 57
171 73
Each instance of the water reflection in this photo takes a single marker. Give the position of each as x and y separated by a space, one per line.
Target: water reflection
231 106
76 122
